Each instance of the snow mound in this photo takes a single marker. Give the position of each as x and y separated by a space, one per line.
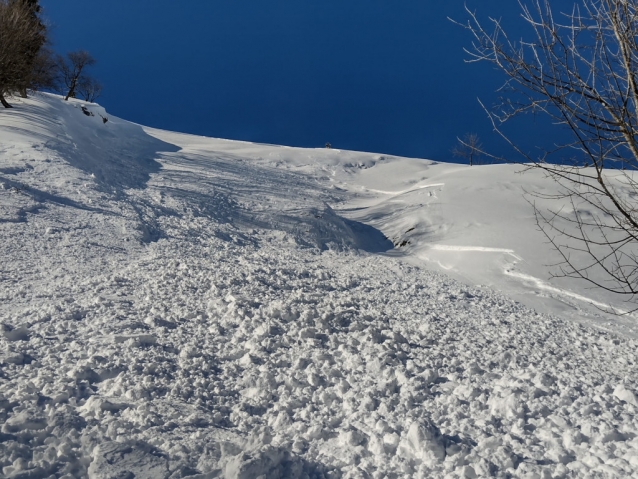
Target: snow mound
323 229
234 310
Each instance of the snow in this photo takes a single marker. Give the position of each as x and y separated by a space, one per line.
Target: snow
179 306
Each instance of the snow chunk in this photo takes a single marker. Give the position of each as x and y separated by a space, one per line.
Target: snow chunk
94 405
625 394
23 421
137 340
131 460
508 404
14 334
268 463
422 442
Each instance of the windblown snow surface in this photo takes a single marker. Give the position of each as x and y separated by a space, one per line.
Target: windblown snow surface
178 306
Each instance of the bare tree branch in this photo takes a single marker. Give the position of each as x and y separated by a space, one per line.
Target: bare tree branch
579 69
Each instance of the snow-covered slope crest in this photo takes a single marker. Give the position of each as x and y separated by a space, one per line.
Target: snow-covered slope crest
174 306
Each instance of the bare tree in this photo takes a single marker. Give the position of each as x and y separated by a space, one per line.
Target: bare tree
44 71
89 89
33 45
20 33
469 148
72 70
580 69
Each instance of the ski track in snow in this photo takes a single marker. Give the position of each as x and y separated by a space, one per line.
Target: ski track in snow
482 249
543 286
216 319
399 193
526 278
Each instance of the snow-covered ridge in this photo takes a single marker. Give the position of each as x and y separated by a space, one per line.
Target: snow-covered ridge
178 306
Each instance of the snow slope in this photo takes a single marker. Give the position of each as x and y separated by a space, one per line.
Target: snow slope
178 306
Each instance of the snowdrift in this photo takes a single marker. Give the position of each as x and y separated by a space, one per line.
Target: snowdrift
178 306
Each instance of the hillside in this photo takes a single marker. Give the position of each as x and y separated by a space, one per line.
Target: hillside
179 306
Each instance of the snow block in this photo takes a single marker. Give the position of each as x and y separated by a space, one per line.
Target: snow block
131 460
422 442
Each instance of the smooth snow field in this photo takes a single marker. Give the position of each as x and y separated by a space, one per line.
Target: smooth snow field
177 306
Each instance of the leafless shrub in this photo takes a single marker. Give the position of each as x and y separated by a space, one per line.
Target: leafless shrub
89 89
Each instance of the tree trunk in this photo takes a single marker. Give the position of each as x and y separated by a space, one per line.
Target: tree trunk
23 92
4 102
71 93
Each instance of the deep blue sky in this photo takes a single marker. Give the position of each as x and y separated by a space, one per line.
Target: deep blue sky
372 75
